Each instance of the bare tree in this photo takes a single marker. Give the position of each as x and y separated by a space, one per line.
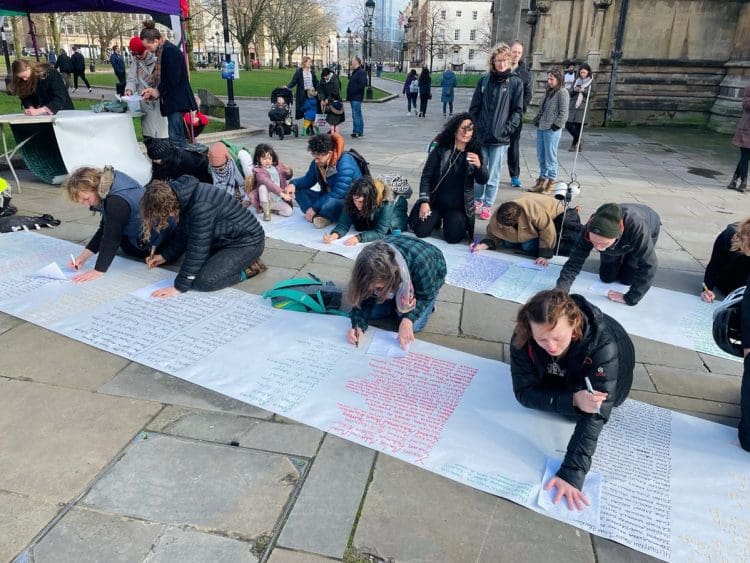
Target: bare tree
106 26
246 20
434 32
284 22
314 30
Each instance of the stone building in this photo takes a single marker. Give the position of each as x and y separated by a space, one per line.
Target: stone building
655 61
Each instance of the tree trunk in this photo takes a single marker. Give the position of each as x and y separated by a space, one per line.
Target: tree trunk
16 26
188 29
54 30
246 55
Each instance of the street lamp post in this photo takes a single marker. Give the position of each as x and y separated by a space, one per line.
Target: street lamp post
232 111
348 52
216 49
329 51
367 52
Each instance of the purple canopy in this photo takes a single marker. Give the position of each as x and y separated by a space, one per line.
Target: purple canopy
127 6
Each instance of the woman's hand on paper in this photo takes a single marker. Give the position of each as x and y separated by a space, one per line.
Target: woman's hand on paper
352 241
708 296
329 238
405 333
478 247
576 499
588 402
355 335
616 296
157 260
166 292
91 275
541 262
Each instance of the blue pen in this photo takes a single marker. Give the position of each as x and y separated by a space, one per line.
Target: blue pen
473 246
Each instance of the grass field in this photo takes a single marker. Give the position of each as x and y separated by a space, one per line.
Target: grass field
468 80
10 104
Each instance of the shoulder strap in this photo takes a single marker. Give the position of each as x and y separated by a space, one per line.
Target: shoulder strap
485 80
298 297
293 282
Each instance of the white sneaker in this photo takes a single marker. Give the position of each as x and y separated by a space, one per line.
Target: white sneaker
408 113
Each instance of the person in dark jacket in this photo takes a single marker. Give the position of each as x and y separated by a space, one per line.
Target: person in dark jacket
118 65
117 197
741 140
561 344
173 88
64 66
448 83
373 209
169 163
334 171
625 235
497 109
329 95
514 148
40 87
446 188
303 79
729 266
425 91
397 277
355 93
222 241
78 64
410 92
580 94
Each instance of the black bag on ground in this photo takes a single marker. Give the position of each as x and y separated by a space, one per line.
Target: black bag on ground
571 230
25 223
6 209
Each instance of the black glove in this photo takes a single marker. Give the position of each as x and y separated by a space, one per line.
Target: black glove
554 127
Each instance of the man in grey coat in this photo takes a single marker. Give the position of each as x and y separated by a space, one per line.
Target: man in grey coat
625 235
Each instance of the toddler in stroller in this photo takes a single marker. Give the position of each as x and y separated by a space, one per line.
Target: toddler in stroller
280 116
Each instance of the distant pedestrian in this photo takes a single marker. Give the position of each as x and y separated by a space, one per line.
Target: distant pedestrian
379 69
425 91
553 113
304 79
411 91
78 64
581 91
329 94
64 65
355 93
514 149
51 57
448 84
118 65
742 140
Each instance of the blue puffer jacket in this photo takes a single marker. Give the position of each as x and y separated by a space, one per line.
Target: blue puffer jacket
339 177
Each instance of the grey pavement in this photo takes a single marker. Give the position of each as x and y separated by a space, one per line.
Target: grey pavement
102 459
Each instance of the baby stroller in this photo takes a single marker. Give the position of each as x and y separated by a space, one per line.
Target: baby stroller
281 118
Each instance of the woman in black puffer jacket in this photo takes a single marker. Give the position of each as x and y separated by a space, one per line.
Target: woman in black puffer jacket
562 345
446 189
222 240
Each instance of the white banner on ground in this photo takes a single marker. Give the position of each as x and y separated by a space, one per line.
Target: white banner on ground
662 315
672 486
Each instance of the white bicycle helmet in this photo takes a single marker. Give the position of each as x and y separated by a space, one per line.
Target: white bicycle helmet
726 328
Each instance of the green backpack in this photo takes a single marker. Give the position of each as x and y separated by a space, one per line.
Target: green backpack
306 295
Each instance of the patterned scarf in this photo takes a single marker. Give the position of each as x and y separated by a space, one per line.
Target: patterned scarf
147 78
156 75
582 84
228 178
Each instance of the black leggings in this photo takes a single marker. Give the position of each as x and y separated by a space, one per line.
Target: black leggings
574 129
741 170
225 267
423 98
454 223
82 76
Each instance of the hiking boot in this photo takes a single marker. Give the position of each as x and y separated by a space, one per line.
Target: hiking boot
266 205
254 269
733 182
321 222
548 186
515 181
486 213
539 186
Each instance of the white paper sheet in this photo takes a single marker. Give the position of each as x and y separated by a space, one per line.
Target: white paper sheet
601 288
53 272
591 489
145 292
386 345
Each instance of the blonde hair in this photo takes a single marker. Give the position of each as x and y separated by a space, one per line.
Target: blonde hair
306 59
741 238
158 204
375 264
499 49
89 179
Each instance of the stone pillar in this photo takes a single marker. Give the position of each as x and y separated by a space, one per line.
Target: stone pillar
594 55
542 20
727 109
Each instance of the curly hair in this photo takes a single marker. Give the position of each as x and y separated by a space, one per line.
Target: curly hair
261 150
25 88
363 187
499 49
89 179
447 137
376 264
547 308
557 72
320 144
158 204
508 213
741 238
149 32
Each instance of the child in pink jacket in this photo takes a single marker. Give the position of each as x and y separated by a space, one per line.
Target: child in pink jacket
271 178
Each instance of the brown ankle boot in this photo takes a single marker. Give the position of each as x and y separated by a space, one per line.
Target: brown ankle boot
539 186
549 185
255 268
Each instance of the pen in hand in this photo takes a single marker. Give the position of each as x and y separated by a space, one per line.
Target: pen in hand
150 260
591 390
74 262
474 245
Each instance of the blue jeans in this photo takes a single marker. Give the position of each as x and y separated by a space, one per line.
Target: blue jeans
176 130
387 309
358 125
330 209
530 246
547 141
493 155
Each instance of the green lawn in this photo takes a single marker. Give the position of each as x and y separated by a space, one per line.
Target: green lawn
468 80
10 104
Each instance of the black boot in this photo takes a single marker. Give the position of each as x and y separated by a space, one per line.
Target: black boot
742 186
732 182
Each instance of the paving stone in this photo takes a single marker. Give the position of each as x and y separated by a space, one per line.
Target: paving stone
183 482
83 535
608 551
698 385
445 319
483 348
8 322
641 379
451 293
289 259
188 546
324 513
287 556
413 515
487 317
333 259
65 362
266 280
687 404
142 382
21 518
283 245
55 440
657 353
724 366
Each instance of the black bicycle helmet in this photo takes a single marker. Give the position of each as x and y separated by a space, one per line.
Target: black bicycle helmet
726 329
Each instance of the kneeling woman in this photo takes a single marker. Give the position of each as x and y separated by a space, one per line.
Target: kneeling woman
373 209
397 277
729 267
562 343
117 197
222 240
446 189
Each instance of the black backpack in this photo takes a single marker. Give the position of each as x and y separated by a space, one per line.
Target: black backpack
364 166
22 223
571 230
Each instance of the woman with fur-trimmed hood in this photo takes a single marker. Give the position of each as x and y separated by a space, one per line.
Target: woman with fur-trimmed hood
117 197
373 209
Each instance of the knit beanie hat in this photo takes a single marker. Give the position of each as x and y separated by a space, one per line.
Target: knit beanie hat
136 46
606 221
